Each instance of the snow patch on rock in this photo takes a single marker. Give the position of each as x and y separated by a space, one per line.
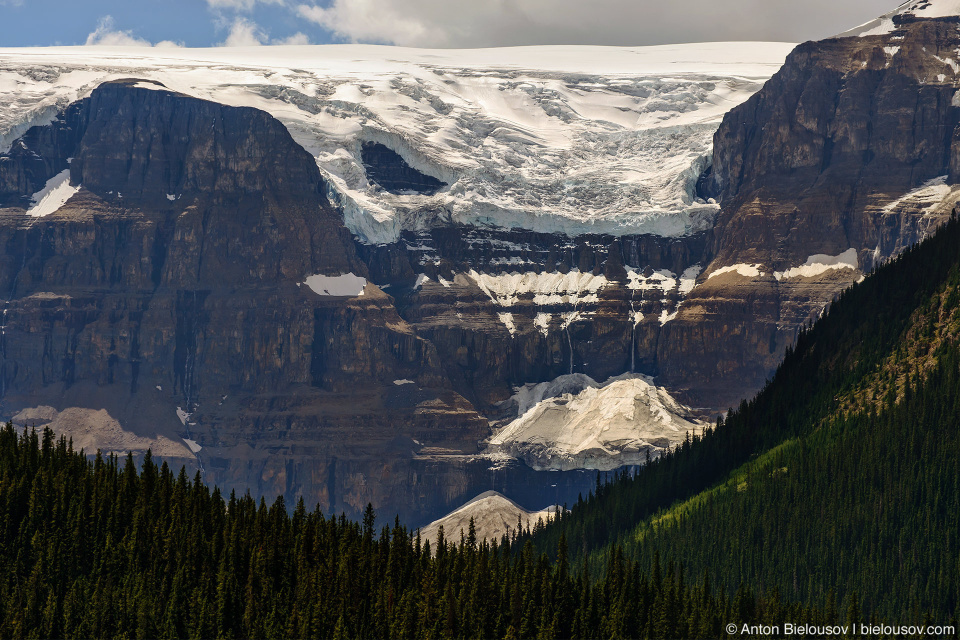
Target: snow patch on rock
183 416
527 396
917 8
347 285
742 270
950 62
662 279
688 279
54 195
573 287
666 316
422 279
507 320
542 322
926 198
821 263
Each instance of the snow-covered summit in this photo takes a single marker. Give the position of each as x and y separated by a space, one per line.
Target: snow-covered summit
916 8
552 138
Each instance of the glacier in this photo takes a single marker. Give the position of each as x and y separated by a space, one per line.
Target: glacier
568 139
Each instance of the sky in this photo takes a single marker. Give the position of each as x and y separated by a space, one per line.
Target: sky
425 23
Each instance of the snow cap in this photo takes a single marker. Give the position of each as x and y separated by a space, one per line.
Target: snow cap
913 8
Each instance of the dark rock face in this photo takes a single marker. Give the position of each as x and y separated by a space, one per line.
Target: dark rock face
481 355
38 156
385 167
806 166
843 125
173 280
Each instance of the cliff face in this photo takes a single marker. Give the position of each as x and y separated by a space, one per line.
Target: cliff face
846 124
38 156
170 291
505 308
816 164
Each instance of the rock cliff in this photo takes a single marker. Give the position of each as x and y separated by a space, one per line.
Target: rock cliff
849 150
172 292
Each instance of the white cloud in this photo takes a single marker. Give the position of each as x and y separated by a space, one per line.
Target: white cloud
244 33
485 23
240 5
106 35
11 3
372 21
296 39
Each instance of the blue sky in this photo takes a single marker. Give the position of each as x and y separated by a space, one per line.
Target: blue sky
194 23
425 23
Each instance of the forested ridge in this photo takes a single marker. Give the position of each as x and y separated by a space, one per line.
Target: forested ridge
831 497
869 504
96 549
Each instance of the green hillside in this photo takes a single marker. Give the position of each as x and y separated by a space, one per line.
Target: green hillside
840 479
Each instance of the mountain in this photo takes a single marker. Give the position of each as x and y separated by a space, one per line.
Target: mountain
338 289
226 291
906 11
856 433
844 158
576 140
200 266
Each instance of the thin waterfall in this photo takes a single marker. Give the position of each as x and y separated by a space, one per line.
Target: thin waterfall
633 349
6 305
